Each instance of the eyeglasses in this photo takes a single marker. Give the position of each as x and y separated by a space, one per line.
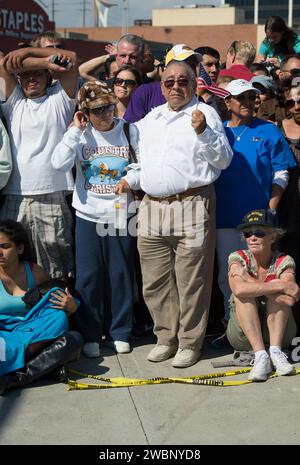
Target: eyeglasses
258 233
182 82
233 46
127 82
101 110
291 103
245 97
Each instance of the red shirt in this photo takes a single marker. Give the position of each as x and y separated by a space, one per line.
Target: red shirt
237 72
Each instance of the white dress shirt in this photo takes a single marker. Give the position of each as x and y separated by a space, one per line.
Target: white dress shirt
173 158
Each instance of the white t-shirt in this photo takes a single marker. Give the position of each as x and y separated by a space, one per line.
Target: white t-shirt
102 159
35 127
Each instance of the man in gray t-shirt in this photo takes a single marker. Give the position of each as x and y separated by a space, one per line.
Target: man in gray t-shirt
37 115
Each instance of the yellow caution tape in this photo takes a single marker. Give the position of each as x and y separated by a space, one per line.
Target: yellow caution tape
203 380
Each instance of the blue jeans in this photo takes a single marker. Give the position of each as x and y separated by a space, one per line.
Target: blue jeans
105 271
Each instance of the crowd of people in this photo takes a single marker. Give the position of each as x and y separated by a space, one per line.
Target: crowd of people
120 179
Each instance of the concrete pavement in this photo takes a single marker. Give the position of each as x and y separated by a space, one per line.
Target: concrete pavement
171 414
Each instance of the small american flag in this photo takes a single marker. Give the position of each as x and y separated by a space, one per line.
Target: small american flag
204 82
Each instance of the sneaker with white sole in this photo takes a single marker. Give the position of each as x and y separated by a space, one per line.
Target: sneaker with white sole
160 353
91 349
185 358
261 368
122 347
281 364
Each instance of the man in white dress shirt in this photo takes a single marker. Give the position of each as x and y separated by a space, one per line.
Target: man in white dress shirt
183 149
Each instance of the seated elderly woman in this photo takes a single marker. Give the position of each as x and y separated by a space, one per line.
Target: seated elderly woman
263 287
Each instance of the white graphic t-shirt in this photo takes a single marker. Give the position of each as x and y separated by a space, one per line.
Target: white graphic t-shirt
102 159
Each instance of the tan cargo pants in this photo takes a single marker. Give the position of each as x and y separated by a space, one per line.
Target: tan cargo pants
176 243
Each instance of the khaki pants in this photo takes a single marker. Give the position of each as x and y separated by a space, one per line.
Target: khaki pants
237 338
176 244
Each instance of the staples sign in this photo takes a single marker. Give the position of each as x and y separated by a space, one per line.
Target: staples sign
23 22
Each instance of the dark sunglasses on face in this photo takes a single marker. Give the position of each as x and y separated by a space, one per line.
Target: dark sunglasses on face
291 103
182 82
127 82
101 110
245 98
258 233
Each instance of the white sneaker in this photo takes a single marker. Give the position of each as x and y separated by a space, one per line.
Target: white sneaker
91 349
261 368
185 358
161 352
122 347
281 364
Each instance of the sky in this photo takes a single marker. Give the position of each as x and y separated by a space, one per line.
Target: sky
69 13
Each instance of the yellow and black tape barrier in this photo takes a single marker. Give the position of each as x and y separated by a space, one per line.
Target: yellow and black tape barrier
203 380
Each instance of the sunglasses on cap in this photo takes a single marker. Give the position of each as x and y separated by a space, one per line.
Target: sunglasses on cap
257 233
127 82
182 82
101 110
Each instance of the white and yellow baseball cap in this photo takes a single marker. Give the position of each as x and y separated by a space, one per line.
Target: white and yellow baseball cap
181 52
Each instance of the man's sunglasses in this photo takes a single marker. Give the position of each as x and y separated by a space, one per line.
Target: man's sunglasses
291 103
182 82
127 82
258 233
101 110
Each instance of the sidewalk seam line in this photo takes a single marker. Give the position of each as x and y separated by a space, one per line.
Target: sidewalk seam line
135 407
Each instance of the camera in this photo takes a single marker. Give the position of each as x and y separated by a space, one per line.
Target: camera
57 61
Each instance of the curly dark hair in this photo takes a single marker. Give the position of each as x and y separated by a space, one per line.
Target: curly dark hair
18 235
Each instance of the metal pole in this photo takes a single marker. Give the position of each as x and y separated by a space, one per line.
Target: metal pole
290 14
83 13
95 13
125 18
256 8
53 10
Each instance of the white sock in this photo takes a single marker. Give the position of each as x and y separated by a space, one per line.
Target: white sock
261 353
275 349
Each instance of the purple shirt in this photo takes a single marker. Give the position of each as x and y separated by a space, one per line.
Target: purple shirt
143 100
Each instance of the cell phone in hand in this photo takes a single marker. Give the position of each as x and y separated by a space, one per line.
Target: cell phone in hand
57 61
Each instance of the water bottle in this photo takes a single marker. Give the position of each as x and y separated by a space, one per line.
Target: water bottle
120 206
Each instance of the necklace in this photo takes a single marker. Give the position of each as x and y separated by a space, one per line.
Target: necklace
238 138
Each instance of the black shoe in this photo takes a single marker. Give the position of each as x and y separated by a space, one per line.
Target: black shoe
59 375
4 384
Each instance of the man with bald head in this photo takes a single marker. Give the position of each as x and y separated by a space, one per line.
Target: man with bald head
183 149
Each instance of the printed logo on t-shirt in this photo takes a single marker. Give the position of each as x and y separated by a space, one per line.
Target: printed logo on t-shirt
104 167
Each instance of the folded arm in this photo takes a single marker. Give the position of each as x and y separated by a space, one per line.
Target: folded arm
244 286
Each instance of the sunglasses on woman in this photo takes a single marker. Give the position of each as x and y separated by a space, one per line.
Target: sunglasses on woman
101 110
127 82
258 233
182 82
245 97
